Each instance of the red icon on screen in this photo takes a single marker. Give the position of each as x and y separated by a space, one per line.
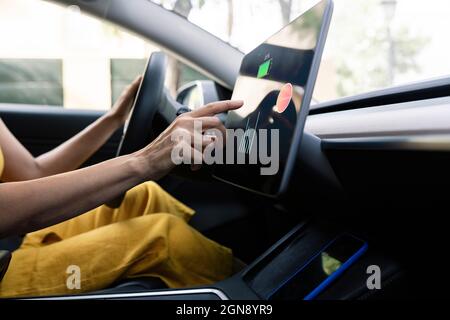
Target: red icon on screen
284 97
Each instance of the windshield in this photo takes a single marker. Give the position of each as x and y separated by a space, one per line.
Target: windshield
372 44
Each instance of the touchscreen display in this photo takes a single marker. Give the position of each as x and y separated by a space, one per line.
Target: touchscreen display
311 278
275 82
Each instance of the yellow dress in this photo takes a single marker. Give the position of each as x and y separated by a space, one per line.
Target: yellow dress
148 235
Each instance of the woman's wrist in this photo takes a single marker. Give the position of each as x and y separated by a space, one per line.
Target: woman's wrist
113 119
141 165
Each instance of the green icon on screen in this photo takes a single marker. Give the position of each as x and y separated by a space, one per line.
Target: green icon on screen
264 69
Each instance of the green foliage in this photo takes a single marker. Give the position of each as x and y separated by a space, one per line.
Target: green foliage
407 47
183 7
361 50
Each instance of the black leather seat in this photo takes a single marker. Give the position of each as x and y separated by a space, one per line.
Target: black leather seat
5 258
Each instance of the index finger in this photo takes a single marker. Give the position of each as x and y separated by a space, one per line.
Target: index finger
214 108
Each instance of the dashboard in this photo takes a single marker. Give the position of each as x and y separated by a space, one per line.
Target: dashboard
415 118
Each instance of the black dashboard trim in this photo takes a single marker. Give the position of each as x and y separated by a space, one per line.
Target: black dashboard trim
438 142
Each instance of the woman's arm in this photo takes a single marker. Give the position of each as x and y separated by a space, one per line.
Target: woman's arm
72 153
34 204
31 205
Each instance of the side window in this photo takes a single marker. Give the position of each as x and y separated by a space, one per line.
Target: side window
179 74
123 71
59 56
31 81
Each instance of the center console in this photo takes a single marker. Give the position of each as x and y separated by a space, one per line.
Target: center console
310 262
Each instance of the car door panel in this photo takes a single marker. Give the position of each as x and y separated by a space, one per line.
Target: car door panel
42 128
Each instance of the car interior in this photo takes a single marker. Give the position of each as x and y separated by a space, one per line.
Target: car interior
369 180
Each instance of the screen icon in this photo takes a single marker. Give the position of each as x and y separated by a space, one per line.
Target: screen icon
284 98
264 68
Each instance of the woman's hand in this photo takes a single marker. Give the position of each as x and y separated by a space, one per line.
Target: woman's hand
121 109
35 204
156 158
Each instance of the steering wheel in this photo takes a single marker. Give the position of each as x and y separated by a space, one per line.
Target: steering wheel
137 132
